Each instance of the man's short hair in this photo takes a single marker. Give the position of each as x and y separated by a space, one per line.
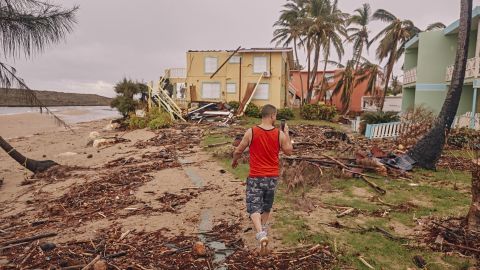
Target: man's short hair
268 110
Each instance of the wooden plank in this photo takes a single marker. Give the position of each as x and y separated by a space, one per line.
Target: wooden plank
193 93
248 93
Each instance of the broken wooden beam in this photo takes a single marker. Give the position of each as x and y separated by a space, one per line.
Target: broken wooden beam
28 239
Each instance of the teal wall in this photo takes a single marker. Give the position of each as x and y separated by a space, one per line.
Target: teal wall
436 51
408 99
433 99
411 57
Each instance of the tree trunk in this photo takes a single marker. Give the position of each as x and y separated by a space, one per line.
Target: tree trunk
299 70
309 54
323 80
390 64
314 72
34 166
428 149
474 213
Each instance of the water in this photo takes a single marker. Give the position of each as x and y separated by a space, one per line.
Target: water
70 114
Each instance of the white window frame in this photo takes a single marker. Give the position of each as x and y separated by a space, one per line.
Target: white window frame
207 68
210 96
257 69
229 90
234 59
262 95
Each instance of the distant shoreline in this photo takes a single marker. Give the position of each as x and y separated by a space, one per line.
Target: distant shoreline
17 98
24 106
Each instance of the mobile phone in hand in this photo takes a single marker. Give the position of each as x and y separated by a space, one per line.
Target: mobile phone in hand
282 125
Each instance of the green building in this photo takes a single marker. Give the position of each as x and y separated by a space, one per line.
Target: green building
428 68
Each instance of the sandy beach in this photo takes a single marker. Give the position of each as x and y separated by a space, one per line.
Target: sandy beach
148 165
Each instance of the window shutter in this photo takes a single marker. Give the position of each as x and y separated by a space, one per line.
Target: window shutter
262 91
210 64
259 64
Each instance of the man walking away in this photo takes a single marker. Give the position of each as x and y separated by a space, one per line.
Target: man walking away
265 142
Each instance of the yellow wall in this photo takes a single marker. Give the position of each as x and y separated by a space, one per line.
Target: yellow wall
276 62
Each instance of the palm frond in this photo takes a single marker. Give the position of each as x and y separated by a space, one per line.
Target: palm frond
435 26
384 16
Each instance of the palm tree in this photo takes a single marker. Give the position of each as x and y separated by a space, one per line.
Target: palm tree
345 81
325 27
392 43
289 29
28 27
359 33
428 150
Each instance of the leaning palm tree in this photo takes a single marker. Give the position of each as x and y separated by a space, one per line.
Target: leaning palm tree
325 28
345 82
289 29
392 42
358 31
27 27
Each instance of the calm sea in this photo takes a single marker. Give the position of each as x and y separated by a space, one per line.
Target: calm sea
71 114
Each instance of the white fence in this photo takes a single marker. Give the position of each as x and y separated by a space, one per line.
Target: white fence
393 129
385 130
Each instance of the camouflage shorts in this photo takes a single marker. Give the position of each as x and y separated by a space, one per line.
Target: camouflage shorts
260 194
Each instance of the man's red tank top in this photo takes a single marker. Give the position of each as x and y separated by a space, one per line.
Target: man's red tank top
264 151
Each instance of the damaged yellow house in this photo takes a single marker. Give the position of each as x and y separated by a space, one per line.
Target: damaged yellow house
223 76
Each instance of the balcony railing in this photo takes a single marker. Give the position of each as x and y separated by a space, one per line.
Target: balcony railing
176 73
471 70
410 76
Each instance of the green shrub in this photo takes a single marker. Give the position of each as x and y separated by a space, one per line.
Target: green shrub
158 118
234 105
135 122
318 112
377 118
285 113
252 110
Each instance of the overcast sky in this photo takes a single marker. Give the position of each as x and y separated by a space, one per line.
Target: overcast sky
139 39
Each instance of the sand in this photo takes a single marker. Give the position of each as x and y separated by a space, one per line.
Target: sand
38 137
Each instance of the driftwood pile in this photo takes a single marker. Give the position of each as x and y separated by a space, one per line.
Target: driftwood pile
452 235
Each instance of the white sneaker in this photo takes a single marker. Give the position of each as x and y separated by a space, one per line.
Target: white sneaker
263 239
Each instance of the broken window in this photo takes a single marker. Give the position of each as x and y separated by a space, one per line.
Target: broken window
231 88
259 64
211 90
210 64
262 91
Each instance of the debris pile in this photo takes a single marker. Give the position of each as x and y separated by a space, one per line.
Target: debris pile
172 202
313 257
451 235
181 137
212 112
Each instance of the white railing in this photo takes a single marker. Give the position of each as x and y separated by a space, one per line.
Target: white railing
471 69
355 124
385 130
467 121
176 73
410 76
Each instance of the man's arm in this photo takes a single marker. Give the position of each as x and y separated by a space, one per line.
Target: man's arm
237 154
286 142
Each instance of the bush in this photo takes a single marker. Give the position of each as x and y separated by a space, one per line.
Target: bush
464 138
135 122
285 113
418 122
158 118
377 118
252 110
318 112
234 105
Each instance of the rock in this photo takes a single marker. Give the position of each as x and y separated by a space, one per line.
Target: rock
419 261
89 156
67 154
199 249
100 265
401 147
102 142
47 246
44 156
222 171
111 126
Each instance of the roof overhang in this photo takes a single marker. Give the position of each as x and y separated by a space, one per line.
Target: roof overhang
453 27
412 43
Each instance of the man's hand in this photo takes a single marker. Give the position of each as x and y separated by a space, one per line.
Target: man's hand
234 163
